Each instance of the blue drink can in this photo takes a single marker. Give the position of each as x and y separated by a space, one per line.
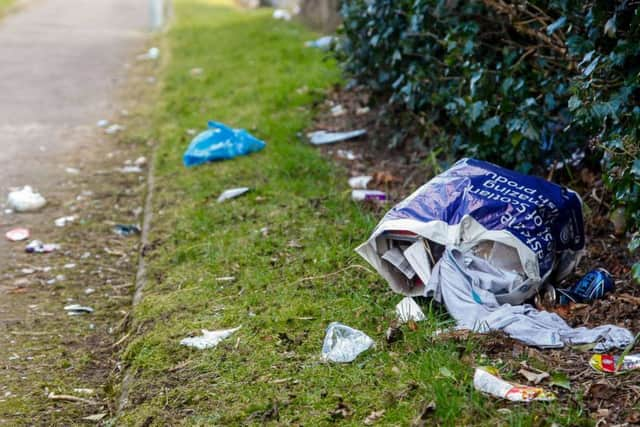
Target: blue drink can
593 285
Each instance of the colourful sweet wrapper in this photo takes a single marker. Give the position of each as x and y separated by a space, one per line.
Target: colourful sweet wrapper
607 362
487 380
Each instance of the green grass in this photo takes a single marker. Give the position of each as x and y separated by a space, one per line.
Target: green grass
253 67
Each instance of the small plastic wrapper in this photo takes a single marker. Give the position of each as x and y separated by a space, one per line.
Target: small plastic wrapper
208 339
487 380
609 363
343 344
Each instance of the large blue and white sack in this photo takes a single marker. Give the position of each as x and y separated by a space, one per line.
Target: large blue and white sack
528 228
481 240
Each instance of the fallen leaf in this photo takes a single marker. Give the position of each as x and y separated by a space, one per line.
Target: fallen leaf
373 417
95 417
385 178
445 372
560 379
601 391
533 377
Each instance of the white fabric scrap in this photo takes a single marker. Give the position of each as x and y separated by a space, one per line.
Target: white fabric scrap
208 339
467 288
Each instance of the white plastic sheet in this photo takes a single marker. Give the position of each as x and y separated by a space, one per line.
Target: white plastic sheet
343 344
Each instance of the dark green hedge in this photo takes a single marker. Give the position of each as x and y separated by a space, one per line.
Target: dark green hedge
527 84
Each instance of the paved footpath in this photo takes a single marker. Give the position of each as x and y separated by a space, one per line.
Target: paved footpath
62 65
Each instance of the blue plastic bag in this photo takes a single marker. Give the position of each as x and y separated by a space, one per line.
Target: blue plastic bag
220 142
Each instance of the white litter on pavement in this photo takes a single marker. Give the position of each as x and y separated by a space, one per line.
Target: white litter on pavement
25 200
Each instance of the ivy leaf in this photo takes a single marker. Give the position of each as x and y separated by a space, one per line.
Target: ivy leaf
574 103
591 67
556 25
635 168
635 272
476 109
475 77
634 244
489 124
560 379
610 27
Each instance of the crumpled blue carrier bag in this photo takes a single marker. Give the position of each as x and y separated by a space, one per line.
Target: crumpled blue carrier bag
220 142
529 229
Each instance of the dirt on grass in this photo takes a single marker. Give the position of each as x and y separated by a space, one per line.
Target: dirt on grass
608 398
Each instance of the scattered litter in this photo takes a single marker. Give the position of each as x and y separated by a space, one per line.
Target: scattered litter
488 239
594 285
294 244
17 234
362 195
84 390
487 380
102 123
208 339
226 279
408 310
63 221
264 231
113 129
323 43
126 230
232 193
140 161
25 200
220 142
152 53
347 154
130 169
609 363
194 72
70 266
37 247
89 291
534 377
69 398
360 182
338 110
95 417
77 310
191 132
322 137
72 171
343 344
282 14
362 111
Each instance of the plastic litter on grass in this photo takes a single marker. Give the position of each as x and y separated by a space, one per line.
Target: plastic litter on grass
220 142
232 193
343 344
208 339
487 380
482 240
322 137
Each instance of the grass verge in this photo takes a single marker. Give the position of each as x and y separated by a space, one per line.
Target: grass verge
258 75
